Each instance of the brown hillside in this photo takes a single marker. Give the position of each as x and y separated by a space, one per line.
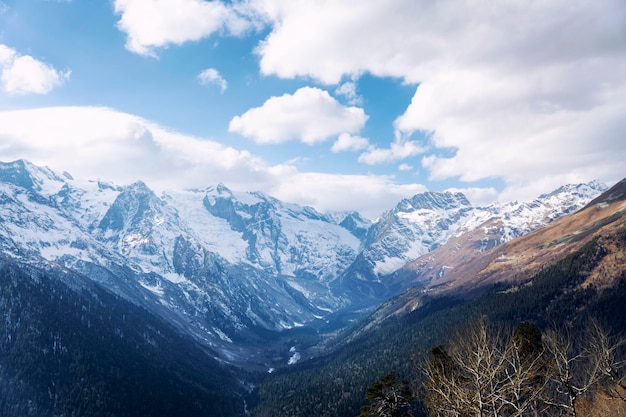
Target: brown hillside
457 266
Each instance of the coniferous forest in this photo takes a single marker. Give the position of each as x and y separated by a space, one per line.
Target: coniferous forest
64 353
552 302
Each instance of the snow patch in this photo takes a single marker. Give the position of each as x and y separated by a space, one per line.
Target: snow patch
295 357
155 289
222 335
175 278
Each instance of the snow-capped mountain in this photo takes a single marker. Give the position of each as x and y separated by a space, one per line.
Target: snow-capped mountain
228 267
222 265
283 239
418 225
415 226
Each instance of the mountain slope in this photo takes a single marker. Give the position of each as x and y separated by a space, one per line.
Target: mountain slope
439 229
226 281
398 335
68 351
450 271
523 256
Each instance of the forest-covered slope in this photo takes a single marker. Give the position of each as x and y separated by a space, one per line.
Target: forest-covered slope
84 352
558 294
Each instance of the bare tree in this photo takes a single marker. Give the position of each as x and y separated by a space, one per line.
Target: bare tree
484 374
443 385
580 367
525 381
606 348
485 371
575 369
388 397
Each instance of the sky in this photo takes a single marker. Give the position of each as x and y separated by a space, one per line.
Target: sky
336 104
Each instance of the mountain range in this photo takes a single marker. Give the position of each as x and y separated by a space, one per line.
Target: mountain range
238 269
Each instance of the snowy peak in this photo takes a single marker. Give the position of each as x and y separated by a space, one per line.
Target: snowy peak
351 221
25 175
431 200
423 223
569 198
282 238
132 208
16 173
415 226
582 191
252 206
218 263
520 218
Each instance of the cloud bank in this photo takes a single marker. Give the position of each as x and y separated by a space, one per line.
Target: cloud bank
530 92
517 90
101 143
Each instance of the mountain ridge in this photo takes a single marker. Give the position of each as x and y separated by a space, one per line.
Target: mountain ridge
226 266
455 270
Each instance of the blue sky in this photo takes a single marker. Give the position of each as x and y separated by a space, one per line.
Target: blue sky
343 105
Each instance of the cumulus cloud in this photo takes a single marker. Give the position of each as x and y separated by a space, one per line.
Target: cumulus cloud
212 76
102 143
398 150
23 74
153 24
347 142
326 40
406 167
516 90
310 115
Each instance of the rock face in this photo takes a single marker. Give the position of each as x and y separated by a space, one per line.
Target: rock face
230 268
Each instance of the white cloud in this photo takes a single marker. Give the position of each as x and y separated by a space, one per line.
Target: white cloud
347 142
7 55
94 142
212 76
516 90
406 167
398 150
101 143
310 115
152 24
326 40
371 195
23 74
349 91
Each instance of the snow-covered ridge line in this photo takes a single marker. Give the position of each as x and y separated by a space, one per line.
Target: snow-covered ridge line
419 225
222 264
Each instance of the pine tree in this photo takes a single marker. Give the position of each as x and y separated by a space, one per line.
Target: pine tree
388 397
